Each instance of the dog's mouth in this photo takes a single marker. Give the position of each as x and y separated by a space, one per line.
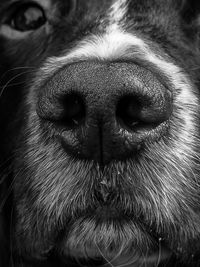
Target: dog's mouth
160 256
107 229
88 244
66 253
159 259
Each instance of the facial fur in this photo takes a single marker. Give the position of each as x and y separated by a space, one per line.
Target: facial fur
108 193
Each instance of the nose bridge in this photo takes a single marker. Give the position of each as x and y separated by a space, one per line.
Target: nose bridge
100 87
98 82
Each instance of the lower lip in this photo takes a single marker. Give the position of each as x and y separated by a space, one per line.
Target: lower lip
126 261
148 261
159 257
150 258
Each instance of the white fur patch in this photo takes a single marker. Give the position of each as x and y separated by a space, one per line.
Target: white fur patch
111 46
117 14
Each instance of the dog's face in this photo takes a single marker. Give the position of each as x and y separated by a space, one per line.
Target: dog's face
99 115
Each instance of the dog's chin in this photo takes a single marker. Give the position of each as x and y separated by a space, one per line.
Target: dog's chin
122 228
116 242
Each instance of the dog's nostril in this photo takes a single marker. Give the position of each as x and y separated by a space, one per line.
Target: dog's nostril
128 110
138 113
73 110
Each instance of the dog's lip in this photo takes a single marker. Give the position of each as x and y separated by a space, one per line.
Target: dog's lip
153 256
157 251
151 260
154 259
163 255
159 256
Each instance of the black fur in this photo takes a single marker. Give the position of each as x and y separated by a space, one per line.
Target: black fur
52 202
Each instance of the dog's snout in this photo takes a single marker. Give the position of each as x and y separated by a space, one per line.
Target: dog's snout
105 110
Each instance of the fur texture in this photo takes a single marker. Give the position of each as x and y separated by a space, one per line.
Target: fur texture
58 209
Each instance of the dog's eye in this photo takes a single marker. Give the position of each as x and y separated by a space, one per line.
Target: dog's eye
27 17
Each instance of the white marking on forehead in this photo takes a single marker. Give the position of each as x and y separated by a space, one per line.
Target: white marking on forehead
110 46
117 14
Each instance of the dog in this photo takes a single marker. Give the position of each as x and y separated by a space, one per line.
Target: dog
100 140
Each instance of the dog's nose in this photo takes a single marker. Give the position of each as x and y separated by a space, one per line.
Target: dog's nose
105 111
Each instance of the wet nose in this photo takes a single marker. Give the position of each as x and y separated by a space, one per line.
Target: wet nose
105 111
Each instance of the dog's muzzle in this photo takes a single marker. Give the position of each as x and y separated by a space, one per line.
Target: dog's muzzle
106 111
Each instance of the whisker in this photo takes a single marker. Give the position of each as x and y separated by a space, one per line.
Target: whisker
14 69
159 253
8 192
13 84
103 256
12 79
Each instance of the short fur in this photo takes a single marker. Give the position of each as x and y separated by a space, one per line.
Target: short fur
49 209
